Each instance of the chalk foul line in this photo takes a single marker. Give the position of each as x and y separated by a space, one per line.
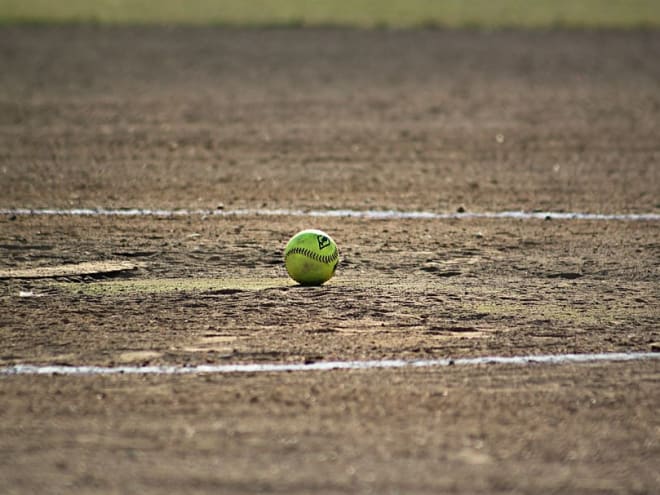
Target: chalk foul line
366 214
27 369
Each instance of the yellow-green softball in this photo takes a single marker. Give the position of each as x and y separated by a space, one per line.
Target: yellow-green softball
311 257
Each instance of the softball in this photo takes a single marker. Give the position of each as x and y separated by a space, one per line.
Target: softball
311 257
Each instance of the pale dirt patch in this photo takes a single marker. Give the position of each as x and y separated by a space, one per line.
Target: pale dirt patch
86 268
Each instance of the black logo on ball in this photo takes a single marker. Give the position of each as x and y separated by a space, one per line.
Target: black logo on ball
323 241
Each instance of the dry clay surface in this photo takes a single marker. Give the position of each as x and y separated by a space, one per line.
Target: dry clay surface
329 119
216 289
200 118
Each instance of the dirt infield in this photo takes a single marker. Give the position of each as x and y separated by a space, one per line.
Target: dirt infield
329 118
217 289
433 120
488 430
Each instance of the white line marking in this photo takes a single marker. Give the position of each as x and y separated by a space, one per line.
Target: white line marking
367 214
26 369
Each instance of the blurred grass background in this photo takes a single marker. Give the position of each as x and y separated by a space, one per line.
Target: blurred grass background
485 14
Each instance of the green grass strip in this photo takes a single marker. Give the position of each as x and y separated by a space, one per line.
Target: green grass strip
487 14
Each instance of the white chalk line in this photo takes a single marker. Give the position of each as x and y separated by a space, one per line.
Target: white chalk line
366 214
27 369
